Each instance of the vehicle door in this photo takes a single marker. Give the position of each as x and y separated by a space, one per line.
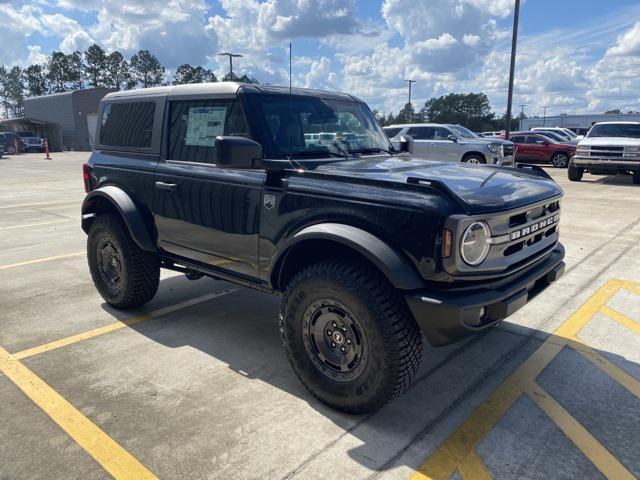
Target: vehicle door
443 148
422 137
521 148
203 212
537 148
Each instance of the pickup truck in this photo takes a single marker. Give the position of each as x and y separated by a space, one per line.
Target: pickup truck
369 248
608 148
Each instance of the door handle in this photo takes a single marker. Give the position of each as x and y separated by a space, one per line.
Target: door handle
167 187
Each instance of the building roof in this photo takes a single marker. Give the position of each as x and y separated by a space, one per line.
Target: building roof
70 93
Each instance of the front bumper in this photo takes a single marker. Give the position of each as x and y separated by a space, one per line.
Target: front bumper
448 315
615 163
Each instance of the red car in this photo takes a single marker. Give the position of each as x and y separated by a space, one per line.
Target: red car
537 148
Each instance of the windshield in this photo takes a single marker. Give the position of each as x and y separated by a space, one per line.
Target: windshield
629 130
462 131
26 134
391 132
307 126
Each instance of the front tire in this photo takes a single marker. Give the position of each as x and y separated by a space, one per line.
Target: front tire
474 159
349 336
560 160
125 275
575 173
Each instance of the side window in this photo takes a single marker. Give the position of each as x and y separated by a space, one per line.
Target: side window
421 133
517 139
194 126
440 133
534 140
127 124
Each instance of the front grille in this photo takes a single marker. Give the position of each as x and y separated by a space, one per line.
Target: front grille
519 237
606 151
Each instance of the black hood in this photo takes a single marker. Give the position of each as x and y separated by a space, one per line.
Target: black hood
482 188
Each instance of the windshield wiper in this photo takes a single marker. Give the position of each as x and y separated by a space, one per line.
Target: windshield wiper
372 150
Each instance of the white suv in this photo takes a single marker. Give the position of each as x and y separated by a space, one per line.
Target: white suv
609 148
452 143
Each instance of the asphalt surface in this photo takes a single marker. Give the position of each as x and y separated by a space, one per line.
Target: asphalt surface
196 384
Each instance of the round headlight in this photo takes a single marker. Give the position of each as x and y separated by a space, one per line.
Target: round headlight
495 147
475 243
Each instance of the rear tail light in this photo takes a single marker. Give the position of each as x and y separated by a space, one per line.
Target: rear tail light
86 176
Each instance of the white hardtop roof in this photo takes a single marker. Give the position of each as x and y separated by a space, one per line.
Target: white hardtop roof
213 87
618 123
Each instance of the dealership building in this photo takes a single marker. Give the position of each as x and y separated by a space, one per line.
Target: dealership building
579 123
67 120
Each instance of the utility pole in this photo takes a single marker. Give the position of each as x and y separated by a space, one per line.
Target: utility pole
410 82
231 57
514 44
544 118
522 114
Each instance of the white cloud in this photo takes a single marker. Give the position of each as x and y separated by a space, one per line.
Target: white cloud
74 37
17 25
35 55
628 43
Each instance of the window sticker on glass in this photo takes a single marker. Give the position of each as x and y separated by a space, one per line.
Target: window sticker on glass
204 124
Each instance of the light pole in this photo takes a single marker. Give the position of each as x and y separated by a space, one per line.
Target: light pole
544 118
410 82
231 57
522 114
512 69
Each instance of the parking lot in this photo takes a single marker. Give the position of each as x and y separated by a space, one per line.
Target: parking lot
197 385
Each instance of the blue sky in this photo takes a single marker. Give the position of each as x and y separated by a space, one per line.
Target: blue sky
574 55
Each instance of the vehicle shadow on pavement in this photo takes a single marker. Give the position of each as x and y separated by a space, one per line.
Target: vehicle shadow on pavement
240 330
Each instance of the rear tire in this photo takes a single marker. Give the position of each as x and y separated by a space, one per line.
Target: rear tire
560 160
575 173
349 336
125 275
636 178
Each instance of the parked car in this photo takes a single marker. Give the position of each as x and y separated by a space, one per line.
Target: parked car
608 149
555 136
32 142
369 248
452 143
9 140
538 148
492 134
564 133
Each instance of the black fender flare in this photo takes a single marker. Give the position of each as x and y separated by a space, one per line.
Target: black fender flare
398 270
127 210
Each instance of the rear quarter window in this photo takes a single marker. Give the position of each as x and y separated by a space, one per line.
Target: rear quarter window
127 125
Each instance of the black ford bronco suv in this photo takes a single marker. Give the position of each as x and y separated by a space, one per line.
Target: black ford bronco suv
298 192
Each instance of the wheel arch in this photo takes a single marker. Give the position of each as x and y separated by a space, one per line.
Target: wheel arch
474 153
112 199
333 240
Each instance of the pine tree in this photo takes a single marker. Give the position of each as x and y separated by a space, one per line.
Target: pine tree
117 73
96 64
36 80
146 69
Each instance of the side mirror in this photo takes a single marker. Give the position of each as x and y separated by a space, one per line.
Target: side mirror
407 144
237 152
453 138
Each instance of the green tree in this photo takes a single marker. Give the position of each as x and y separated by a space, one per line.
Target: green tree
186 73
146 69
75 70
12 82
36 80
117 73
407 114
616 111
472 110
243 79
96 65
57 71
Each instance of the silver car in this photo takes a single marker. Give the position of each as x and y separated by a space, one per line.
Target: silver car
452 143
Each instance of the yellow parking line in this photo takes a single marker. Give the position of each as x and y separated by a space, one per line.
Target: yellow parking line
12 227
112 327
621 319
472 467
45 204
593 450
615 372
105 450
457 450
41 260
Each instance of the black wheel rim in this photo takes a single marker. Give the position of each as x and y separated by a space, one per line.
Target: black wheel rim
334 340
560 160
109 263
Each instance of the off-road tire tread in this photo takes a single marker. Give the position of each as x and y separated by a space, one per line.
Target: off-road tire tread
403 350
574 173
143 267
